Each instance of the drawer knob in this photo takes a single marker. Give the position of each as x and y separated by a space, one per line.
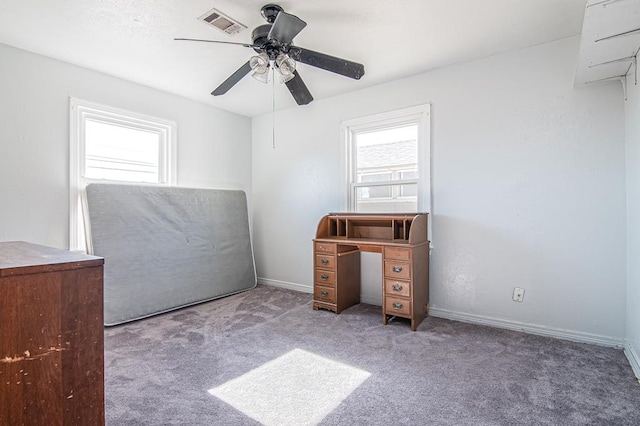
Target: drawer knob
397 269
324 293
397 306
324 277
396 287
324 261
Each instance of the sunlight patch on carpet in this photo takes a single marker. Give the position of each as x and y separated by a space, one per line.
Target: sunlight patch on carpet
297 388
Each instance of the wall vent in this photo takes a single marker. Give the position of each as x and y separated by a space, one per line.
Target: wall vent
222 22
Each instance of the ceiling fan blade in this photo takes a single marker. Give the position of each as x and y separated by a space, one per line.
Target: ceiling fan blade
286 27
216 41
232 80
299 90
327 62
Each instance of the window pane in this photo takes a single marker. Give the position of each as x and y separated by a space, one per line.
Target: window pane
409 190
367 192
384 156
121 153
387 157
379 198
367 202
375 177
389 148
408 174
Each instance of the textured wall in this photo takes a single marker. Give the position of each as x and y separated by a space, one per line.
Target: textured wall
214 146
632 109
528 188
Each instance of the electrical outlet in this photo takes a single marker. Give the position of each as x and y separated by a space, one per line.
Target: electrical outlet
518 294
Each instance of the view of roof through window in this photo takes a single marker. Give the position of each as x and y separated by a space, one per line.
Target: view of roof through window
387 160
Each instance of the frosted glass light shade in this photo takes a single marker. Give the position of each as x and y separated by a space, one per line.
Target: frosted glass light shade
260 66
262 77
286 67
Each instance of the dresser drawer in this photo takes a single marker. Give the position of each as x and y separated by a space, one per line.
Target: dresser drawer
324 294
397 306
325 277
326 261
397 253
397 287
398 270
325 248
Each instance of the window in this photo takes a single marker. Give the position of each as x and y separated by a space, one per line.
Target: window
387 162
113 145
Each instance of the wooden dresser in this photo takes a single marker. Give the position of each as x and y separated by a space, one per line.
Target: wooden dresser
402 241
51 336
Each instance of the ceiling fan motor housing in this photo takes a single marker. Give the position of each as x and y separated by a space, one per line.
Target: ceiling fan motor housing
264 44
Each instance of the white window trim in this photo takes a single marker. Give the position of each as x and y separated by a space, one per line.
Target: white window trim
79 110
420 114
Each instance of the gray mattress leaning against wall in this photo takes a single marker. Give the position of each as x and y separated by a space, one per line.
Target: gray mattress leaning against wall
167 247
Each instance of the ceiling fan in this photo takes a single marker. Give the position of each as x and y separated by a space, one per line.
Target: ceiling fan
273 43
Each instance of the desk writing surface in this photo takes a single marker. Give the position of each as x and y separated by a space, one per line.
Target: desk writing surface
367 241
368 245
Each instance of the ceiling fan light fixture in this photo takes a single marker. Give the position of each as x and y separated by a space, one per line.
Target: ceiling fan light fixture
274 44
262 77
259 63
260 66
286 66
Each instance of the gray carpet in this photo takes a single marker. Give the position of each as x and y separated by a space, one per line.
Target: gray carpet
159 370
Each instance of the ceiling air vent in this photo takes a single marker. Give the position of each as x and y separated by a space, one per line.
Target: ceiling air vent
222 22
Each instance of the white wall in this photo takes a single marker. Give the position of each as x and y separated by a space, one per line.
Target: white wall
528 189
214 146
632 109
528 176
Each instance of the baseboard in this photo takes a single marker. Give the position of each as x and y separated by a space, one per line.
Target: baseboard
633 358
576 336
284 284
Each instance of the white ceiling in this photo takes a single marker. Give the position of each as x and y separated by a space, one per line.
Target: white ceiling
393 39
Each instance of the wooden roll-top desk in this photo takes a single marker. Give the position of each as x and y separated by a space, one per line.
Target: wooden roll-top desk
403 242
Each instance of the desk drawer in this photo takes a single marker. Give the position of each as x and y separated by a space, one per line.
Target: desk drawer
397 253
325 261
397 306
324 294
397 270
325 248
397 287
325 277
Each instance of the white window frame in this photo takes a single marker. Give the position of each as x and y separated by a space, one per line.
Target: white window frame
419 115
81 110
